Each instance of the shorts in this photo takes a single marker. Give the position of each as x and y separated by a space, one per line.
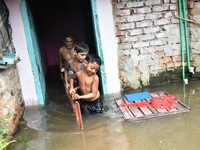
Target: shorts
94 107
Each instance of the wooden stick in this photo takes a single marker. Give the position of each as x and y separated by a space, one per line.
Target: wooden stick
76 111
187 20
76 108
79 115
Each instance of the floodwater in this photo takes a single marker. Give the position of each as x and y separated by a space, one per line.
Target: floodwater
54 126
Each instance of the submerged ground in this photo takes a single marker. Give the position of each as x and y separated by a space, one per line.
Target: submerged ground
54 127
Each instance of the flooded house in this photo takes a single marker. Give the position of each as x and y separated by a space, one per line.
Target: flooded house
141 43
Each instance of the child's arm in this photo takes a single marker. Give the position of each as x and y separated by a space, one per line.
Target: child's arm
71 90
67 66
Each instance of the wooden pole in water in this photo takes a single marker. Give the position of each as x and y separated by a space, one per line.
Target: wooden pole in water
79 115
77 110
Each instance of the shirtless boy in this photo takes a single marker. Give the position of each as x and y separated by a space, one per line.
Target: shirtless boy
77 63
90 99
66 52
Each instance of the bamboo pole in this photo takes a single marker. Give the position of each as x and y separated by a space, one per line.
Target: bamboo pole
187 20
76 108
79 115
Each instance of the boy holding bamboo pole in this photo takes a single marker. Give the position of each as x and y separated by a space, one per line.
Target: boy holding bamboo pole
90 99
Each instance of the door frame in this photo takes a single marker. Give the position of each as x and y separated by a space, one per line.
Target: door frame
99 46
34 53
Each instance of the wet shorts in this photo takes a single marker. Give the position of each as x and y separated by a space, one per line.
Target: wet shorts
94 107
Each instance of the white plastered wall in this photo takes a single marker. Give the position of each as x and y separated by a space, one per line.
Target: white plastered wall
19 41
109 45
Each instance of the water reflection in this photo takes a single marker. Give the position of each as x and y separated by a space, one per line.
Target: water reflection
54 126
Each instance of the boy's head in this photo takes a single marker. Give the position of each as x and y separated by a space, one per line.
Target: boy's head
81 47
92 64
80 51
93 58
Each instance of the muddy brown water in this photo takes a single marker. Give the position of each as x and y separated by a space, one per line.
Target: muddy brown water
54 127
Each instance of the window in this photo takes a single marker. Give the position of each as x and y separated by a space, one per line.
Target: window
6 45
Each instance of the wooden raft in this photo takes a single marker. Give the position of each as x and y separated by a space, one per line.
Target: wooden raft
138 113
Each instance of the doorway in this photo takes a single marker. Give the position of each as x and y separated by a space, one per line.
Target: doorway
55 18
52 19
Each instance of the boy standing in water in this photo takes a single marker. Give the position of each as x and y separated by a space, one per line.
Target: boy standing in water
66 52
77 63
90 99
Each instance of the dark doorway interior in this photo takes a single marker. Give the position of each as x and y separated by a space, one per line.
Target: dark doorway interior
52 19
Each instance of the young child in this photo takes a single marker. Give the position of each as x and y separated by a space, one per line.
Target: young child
75 64
91 101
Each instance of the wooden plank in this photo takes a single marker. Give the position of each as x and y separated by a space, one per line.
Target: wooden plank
146 111
153 110
180 106
125 111
154 95
161 93
137 113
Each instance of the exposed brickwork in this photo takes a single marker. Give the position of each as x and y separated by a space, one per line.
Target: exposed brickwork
11 101
149 41
194 15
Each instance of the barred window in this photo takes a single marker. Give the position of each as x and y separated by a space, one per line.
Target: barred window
6 45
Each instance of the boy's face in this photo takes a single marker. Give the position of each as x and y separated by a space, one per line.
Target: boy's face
91 68
81 56
69 42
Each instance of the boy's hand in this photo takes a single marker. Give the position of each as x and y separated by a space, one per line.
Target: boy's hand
67 86
72 91
75 96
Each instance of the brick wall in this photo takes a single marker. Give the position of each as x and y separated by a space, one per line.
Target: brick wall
194 15
148 42
11 101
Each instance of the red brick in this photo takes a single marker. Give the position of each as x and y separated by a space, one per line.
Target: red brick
191 4
120 33
165 60
194 11
124 12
